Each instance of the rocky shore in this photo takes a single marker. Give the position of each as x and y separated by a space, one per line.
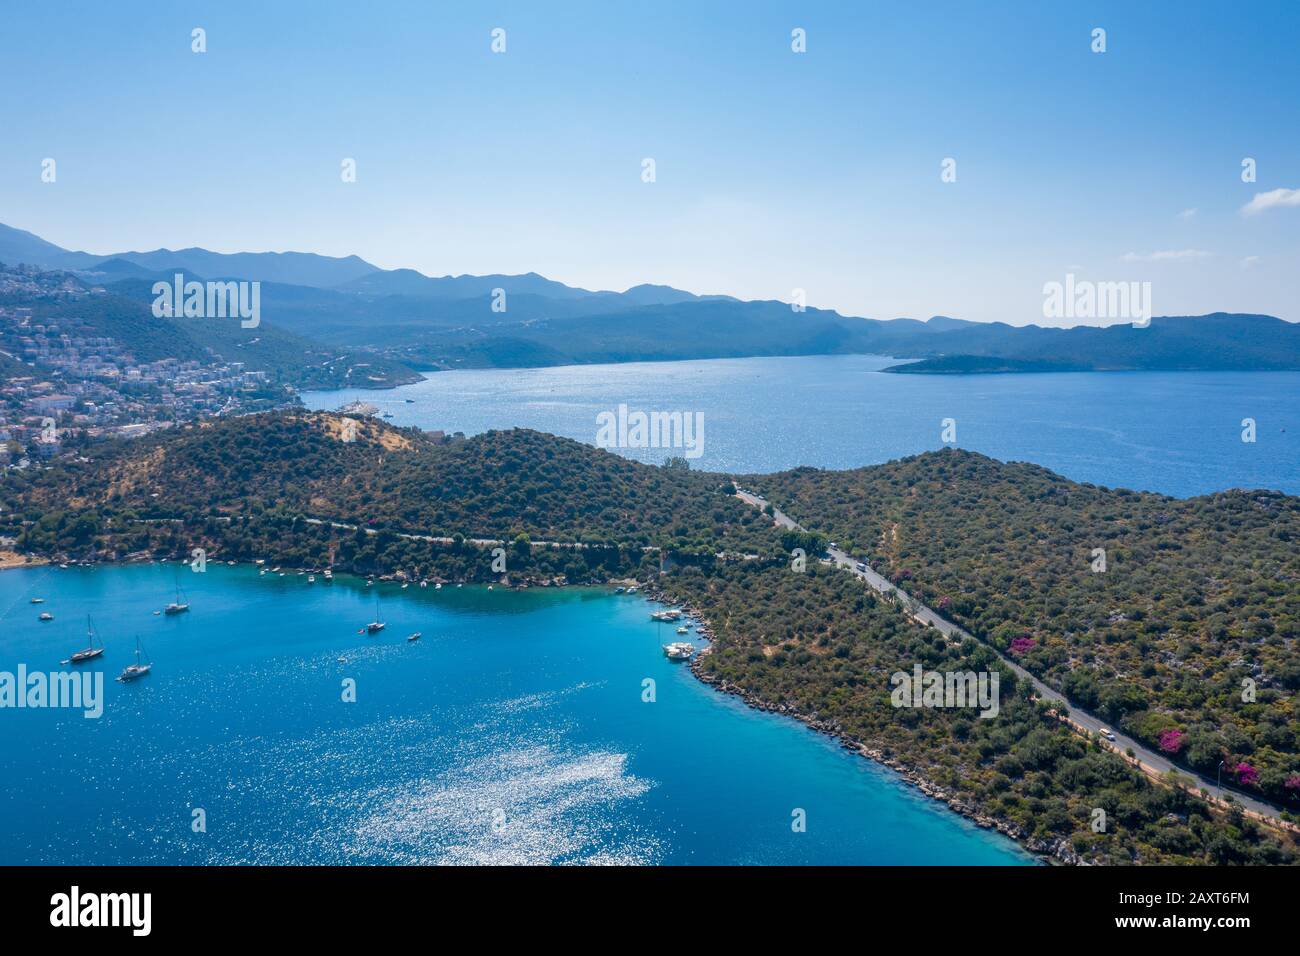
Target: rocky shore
1056 852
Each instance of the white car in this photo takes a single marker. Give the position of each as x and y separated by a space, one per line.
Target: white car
1107 733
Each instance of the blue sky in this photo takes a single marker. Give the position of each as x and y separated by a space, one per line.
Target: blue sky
775 170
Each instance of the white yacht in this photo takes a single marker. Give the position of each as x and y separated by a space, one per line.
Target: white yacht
377 625
679 650
90 651
138 669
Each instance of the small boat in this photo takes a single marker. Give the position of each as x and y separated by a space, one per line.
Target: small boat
405 586
138 669
438 586
261 572
46 616
460 585
328 575
275 570
679 650
178 606
90 651
260 561
424 584
311 579
342 660
410 401
377 625
38 600
631 590
414 637
683 630
619 590
489 587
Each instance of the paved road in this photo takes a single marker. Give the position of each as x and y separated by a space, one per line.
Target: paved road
1080 718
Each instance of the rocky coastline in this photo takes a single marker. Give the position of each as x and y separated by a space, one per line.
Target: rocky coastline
1058 852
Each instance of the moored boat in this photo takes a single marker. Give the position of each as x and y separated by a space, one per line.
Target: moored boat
90 651
138 669
180 605
679 650
377 625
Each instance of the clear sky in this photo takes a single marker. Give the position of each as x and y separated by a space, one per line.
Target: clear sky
774 170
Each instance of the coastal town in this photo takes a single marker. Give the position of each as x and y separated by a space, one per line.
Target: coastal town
63 385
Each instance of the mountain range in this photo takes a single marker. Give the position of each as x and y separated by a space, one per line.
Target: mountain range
468 321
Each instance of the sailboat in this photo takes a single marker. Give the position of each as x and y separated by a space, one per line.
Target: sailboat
378 623
138 669
178 606
90 651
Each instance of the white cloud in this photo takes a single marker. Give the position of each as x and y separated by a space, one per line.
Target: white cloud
1270 200
1165 255
1187 214
1250 262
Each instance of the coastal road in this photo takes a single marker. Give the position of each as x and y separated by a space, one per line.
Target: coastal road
1150 760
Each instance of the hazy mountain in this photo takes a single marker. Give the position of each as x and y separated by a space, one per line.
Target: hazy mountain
299 268
412 283
451 322
1218 341
19 247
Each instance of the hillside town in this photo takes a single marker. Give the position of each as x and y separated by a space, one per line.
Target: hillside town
61 388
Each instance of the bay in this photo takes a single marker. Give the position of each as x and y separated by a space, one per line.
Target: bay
1178 433
513 731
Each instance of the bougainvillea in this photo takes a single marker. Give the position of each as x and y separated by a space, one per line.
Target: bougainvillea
1171 740
1022 644
1246 774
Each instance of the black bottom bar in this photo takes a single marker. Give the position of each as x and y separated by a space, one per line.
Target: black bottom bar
335 904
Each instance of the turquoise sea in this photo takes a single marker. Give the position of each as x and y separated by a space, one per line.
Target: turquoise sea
513 731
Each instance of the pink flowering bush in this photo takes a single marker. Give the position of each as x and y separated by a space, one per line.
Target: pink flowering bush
1171 740
1247 775
1022 644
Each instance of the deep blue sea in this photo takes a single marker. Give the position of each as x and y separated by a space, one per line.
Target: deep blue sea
1179 433
513 731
